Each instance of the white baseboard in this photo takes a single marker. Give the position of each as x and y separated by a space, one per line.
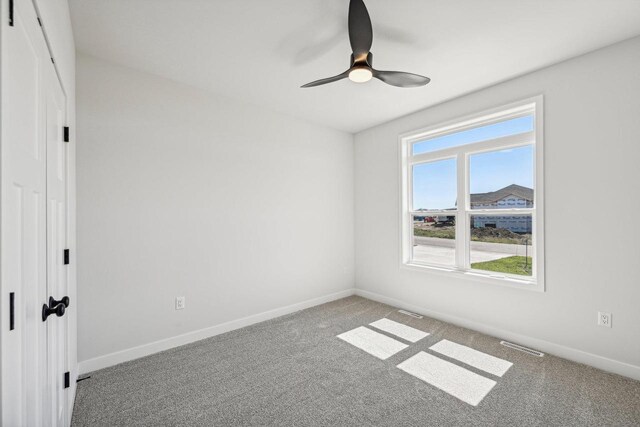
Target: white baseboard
600 362
111 359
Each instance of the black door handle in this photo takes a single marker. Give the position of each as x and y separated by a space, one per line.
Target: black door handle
64 300
47 311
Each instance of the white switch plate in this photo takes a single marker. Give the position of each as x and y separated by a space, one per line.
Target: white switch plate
604 319
180 303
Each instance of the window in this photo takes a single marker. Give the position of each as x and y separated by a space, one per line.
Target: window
472 196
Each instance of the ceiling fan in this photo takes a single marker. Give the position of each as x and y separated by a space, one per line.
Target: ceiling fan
361 69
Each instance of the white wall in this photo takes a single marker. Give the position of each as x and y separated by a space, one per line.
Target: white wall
592 149
182 193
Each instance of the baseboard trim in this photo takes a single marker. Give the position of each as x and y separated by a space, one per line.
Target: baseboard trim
600 362
112 359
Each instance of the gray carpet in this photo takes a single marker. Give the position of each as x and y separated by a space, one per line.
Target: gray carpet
294 371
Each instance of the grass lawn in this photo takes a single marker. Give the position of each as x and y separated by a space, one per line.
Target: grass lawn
512 265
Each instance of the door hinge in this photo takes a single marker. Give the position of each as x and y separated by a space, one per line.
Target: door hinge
11 13
66 257
12 308
66 379
66 133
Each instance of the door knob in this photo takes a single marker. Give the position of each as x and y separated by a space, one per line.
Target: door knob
64 300
47 311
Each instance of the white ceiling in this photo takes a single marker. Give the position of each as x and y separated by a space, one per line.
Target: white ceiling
261 51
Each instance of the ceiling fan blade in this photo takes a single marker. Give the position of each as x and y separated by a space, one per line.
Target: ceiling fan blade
360 31
328 80
401 79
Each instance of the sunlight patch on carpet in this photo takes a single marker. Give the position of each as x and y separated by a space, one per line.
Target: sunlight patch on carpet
471 357
374 343
453 379
398 329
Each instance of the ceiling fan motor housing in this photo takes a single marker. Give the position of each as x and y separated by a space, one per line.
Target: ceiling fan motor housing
362 61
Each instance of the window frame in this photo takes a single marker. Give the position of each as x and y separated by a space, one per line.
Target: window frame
463 212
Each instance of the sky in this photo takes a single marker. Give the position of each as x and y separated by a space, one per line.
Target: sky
434 184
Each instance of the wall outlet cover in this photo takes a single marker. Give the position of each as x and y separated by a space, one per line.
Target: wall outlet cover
180 303
604 319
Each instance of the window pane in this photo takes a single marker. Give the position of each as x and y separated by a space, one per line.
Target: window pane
502 244
502 179
435 185
482 133
434 240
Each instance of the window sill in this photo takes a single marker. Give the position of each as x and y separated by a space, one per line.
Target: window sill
478 277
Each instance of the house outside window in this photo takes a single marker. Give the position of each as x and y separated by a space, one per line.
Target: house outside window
472 201
511 197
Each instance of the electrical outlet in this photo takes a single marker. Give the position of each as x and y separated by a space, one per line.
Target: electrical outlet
180 303
604 319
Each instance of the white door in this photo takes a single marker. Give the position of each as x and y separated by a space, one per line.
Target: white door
56 244
23 251
32 225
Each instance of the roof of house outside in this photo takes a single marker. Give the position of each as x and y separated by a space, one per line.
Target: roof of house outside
494 196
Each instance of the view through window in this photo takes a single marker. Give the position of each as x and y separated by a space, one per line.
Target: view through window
471 196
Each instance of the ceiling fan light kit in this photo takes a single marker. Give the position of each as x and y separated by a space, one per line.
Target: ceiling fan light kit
361 69
360 74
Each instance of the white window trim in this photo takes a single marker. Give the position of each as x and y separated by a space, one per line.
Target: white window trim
516 109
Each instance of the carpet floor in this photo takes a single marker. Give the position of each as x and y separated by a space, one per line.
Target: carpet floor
293 370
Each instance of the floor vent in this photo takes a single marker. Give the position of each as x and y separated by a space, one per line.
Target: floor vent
408 313
522 349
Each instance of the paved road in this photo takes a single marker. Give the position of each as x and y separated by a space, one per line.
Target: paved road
442 251
475 246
